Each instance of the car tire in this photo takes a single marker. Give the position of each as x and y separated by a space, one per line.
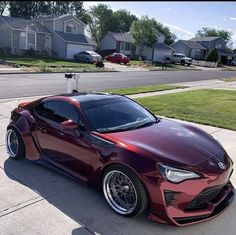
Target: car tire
14 144
182 62
133 190
188 65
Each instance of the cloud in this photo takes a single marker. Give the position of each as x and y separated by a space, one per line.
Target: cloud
180 32
233 18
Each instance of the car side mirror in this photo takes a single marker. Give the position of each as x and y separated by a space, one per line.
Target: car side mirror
69 125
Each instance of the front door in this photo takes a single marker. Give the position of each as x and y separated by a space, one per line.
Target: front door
48 43
68 149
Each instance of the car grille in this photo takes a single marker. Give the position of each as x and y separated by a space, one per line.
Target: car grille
208 195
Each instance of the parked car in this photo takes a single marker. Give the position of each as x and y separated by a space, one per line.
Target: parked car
233 62
177 171
117 58
180 58
87 56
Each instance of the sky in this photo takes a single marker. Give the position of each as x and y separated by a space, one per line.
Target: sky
183 18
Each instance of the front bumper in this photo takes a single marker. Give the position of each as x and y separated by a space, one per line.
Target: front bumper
191 201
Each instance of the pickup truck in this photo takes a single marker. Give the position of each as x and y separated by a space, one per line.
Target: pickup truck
180 58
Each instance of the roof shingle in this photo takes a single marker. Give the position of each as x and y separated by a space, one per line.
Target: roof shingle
122 37
163 46
193 44
24 25
80 38
203 39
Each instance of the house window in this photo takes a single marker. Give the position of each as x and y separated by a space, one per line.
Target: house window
22 43
31 40
70 28
127 46
122 45
218 44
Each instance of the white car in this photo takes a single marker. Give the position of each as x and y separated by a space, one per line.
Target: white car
87 56
181 58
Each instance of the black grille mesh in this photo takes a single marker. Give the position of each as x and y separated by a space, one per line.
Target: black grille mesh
208 195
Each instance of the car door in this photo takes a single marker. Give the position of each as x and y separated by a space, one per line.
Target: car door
67 149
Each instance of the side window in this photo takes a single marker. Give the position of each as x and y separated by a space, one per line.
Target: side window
59 111
40 109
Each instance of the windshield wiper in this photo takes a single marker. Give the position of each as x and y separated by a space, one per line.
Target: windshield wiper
145 124
130 128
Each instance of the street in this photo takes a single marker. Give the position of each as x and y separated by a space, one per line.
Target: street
22 85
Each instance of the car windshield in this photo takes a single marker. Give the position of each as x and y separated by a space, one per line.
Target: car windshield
92 53
116 114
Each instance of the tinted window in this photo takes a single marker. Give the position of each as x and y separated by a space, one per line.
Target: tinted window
40 109
116 114
60 111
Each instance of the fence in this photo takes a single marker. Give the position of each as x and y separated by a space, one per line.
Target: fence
205 63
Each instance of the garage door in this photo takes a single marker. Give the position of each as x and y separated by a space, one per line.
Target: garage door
76 48
160 55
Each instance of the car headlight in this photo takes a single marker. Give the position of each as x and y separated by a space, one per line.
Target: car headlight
176 175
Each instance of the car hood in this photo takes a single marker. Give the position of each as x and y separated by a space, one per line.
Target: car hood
187 58
173 143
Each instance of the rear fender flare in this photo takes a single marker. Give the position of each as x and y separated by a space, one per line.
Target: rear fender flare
24 126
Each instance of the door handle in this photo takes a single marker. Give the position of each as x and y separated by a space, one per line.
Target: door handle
42 130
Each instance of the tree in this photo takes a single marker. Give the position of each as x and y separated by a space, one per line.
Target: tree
3 5
33 9
169 37
212 55
122 20
211 32
144 32
100 21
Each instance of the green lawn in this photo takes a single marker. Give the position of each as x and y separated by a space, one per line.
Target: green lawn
28 61
212 107
31 64
143 89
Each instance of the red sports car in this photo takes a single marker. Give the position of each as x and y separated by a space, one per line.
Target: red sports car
140 161
117 58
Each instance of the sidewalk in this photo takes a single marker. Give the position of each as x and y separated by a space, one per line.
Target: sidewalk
207 84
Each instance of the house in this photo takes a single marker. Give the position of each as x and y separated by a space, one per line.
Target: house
198 48
123 43
225 54
68 36
117 42
20 35
59 36
190 48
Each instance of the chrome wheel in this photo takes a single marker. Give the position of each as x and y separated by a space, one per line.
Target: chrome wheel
12 143
120 192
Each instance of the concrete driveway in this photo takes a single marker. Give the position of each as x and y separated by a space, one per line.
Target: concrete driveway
35 199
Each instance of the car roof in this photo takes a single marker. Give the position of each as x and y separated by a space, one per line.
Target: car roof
83 97
177 54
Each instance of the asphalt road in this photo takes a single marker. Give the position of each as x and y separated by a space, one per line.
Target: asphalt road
22 85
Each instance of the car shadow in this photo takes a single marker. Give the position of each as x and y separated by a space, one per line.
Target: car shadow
88 207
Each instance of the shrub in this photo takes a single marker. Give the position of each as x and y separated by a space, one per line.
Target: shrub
5 51
212 55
